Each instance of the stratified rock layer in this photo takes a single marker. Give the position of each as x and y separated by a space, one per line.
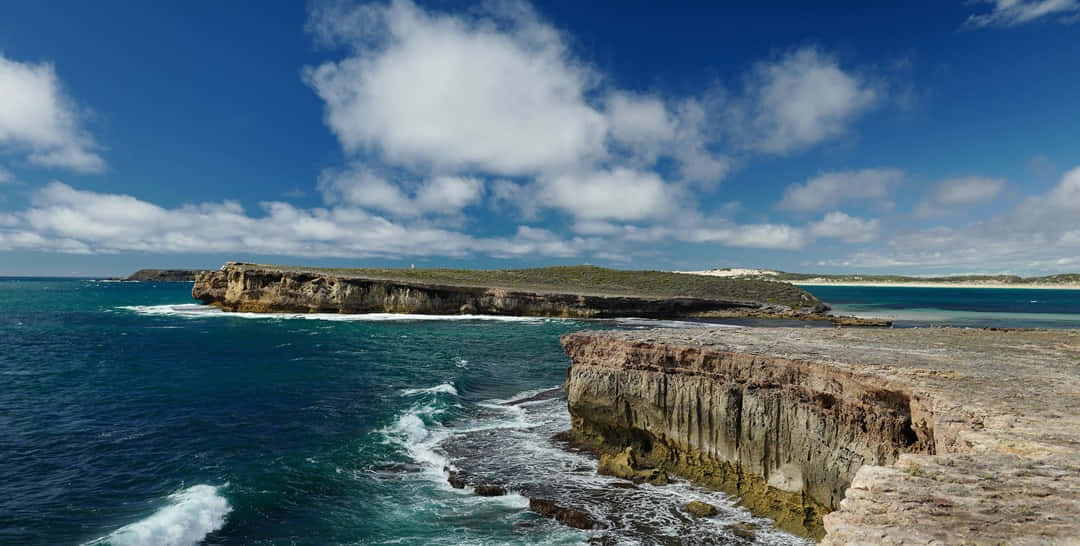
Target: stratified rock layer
255 288
906 436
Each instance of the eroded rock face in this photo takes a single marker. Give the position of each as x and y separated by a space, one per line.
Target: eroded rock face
786 436
253 288
906 436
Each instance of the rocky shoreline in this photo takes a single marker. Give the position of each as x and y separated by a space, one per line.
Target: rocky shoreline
849 435
267 289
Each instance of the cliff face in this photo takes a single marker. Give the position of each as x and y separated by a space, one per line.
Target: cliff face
787 436
906 436
246 287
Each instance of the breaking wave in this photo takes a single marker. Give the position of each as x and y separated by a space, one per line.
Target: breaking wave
190 516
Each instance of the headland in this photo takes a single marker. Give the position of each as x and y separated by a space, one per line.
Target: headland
571 292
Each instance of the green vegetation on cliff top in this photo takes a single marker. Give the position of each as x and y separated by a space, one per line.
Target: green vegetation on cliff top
584 280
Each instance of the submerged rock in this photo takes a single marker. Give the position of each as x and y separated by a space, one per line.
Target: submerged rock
745 530
578 519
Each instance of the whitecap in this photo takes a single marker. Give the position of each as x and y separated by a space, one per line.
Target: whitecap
419 441
445 388
190 516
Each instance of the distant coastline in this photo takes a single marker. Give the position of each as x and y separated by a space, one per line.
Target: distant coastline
1068 281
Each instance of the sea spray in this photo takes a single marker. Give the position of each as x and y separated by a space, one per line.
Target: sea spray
190 516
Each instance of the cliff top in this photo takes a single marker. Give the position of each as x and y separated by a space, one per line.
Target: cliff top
583 280
1006 424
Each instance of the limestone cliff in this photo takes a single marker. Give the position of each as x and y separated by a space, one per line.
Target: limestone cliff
906 436
255 288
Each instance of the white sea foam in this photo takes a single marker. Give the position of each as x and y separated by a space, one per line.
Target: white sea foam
445 388
419 440
194 310
190 515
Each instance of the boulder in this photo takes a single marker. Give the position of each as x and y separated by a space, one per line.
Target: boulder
700 509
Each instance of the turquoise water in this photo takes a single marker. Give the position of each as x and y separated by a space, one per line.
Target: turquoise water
971 307
131 416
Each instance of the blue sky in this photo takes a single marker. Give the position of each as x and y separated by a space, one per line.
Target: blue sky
926 137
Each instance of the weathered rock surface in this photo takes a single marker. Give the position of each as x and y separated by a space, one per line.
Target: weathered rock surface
907 436
624 465
164 275
255 288
579 519
700 509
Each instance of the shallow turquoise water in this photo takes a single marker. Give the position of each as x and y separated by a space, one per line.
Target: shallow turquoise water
128 415
971 307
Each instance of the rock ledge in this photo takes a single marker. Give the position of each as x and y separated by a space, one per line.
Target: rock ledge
853 436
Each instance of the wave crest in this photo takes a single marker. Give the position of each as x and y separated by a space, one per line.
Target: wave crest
190 516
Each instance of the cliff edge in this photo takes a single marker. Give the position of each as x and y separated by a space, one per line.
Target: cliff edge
854 436
573 292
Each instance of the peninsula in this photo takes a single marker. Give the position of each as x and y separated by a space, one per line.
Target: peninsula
853 436
1064 281
164 275
572 292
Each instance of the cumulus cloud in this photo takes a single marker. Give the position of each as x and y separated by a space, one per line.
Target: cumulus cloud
838 225
497 94
1040 234
829 189
1016 12
500 94
800 100
65 219
618 194
38 120
361 187
959 192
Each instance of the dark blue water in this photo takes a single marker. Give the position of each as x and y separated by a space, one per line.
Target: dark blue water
128 415
974 307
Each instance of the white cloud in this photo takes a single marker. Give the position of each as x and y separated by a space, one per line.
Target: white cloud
1016 12
776 236
800 100
360 187
37 119
959 192
1040 234
850 229
498 95
65 219
618 194
6 176
829 189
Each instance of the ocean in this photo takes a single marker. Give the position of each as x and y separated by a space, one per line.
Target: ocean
130 415
964 307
